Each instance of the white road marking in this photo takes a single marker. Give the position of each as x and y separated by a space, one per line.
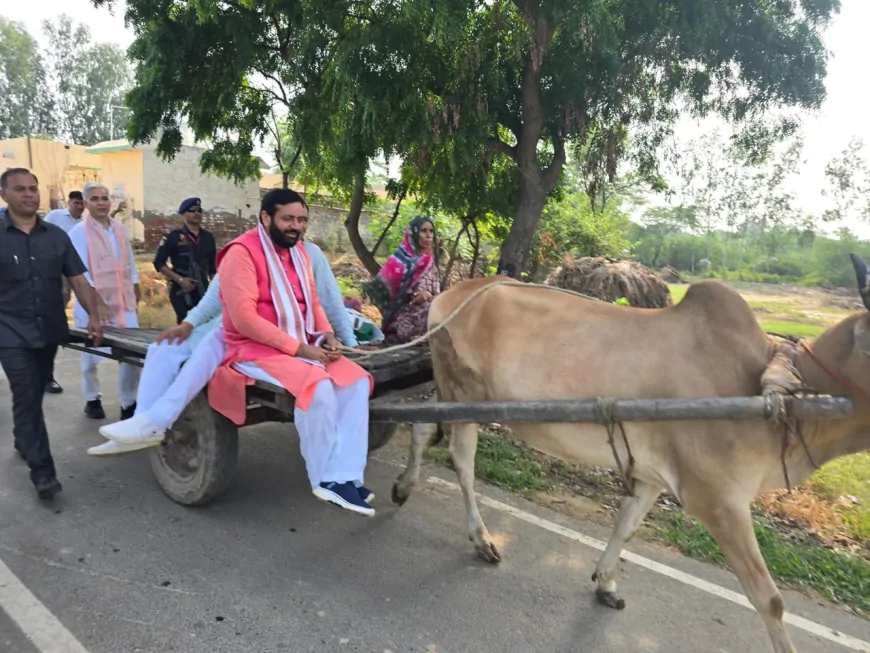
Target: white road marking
33 618
711 588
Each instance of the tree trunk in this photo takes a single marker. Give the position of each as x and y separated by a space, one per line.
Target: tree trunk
476 250
351 223
515 249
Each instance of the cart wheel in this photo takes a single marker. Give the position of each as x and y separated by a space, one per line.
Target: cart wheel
198 458
380 433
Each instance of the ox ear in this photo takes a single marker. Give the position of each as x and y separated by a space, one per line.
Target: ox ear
863 275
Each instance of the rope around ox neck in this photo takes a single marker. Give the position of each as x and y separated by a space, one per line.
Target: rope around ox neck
380 352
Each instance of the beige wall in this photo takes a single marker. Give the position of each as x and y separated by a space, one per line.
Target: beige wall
60 167
122 174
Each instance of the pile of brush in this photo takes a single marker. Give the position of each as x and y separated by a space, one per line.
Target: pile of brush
609 279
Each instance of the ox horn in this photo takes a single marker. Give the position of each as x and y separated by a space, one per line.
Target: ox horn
863 274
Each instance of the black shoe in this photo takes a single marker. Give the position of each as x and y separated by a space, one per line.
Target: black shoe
94 409
48 487
128 412
53 387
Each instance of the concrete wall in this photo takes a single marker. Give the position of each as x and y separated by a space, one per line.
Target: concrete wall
167 184
326 228
229 210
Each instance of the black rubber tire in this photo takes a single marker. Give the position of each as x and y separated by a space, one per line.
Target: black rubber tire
380 433
198 459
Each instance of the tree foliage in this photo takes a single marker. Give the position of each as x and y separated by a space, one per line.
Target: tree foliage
67 91
26 107
482 102
89 80
531 80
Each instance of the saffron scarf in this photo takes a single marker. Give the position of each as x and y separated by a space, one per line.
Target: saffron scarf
112 276
399 277
291 320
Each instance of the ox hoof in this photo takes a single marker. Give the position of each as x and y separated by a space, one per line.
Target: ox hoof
610 599
489 553
398 497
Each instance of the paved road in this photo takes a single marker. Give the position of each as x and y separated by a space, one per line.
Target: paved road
117 567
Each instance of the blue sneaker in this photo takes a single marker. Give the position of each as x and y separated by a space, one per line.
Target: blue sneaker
365 494
344 495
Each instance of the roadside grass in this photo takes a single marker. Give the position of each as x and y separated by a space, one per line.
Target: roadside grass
836 576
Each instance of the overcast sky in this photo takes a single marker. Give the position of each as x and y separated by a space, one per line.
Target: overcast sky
842 116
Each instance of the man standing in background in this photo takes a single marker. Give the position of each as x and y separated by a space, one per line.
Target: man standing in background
34 257
191 250
104 245
66 219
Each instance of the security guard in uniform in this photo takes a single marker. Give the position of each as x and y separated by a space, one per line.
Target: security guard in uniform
191 250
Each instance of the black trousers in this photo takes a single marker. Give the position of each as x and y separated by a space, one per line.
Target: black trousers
179 303
28 370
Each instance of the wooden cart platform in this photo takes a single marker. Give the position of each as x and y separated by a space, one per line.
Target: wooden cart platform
198 458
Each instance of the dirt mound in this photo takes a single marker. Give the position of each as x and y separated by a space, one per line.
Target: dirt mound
350 268
609 279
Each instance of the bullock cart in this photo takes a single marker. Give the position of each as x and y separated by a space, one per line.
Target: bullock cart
197 460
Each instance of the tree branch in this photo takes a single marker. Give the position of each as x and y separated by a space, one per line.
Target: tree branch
498 145
391 222
551 175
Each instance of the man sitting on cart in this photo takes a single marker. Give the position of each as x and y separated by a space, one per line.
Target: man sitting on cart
166 388
276 331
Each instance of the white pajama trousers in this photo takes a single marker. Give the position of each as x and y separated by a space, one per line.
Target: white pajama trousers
166 387
333 432
128 378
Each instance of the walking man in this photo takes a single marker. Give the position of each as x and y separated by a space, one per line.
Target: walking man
191 250
66 219
34 258
104 245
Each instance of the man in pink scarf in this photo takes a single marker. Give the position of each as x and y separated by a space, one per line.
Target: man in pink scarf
104 245
277 331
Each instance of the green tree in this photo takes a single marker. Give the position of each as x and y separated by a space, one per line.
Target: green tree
26 106
532 80
89 81
848 180
452 86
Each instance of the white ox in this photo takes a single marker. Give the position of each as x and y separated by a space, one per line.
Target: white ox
521 343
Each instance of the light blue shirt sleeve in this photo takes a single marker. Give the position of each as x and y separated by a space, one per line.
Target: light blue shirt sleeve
208 307
330 295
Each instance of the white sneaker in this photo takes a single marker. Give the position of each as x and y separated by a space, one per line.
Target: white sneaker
136 430
112 448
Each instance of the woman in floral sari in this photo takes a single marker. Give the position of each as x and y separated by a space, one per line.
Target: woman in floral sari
407 284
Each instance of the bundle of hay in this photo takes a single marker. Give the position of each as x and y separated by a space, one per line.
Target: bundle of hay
609 279
670 274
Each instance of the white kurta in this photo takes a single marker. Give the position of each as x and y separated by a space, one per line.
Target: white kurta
128 375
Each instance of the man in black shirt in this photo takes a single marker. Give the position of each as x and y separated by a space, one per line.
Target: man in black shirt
192 251
35 256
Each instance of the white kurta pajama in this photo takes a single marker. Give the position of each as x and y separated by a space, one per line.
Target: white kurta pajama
128 375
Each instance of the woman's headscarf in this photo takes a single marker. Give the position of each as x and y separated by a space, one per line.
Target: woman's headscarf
401 274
